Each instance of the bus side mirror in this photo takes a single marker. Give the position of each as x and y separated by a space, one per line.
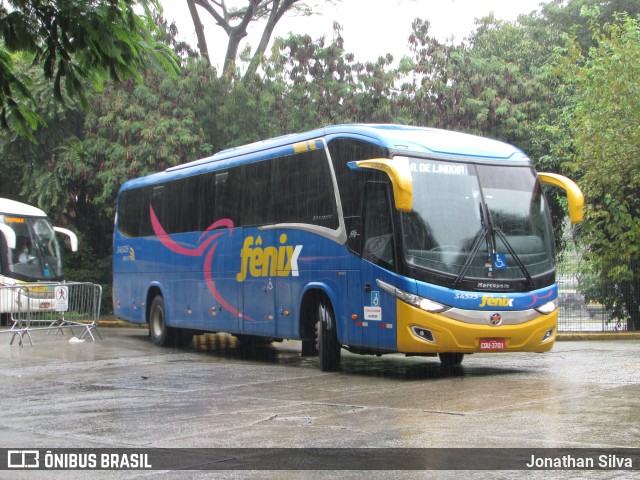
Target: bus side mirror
574 194
399 172
9 235
72 237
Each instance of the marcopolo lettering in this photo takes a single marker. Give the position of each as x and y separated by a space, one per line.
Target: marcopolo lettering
488 301
258 261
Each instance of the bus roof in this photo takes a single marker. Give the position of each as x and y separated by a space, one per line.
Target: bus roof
400 139
11 207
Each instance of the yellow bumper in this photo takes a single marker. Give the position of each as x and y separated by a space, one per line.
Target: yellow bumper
456 336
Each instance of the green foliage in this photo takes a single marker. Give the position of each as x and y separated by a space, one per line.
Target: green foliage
476 88
76 168
604 123
310 83
605 128
74 42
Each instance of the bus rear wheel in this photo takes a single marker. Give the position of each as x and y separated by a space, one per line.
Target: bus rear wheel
328 346
157 324
161 334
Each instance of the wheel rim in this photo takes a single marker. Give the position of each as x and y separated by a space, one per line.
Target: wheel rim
157 322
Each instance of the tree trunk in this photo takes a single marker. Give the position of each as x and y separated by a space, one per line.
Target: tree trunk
197 24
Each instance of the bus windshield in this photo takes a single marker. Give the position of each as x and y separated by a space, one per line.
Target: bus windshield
478 221
37 253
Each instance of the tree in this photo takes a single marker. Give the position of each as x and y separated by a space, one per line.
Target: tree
530 46
21 153
466 88
605 126
321 84
74 41
559 17
235 22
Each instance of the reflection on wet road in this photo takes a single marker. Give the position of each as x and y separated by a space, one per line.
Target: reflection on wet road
387 366
124 391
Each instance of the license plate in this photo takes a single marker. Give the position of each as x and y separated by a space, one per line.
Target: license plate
487 344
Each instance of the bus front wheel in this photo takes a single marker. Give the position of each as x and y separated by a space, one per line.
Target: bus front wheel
328 346
451 359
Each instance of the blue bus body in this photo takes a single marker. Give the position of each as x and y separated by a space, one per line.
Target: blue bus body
279 277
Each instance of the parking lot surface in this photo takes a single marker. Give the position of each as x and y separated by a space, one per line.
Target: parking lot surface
123 392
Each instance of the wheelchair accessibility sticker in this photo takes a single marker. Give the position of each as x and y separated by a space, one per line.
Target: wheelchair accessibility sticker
374 312
500 261
375 299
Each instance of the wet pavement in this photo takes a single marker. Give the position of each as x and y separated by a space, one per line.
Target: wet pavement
123 392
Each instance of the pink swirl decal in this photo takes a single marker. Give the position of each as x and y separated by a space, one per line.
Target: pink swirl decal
211 284
175 247
536 298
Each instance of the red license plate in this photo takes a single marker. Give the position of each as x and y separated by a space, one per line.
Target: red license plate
490 344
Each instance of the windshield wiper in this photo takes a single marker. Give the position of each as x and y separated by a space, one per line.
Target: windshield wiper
489 235
515 256
484 230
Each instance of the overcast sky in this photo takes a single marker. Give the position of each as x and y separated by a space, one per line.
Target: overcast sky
370 27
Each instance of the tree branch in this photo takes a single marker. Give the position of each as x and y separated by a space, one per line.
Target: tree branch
271 10
202 41
277 11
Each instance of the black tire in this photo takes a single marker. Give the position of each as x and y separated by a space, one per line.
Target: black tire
328 346
309 348
158 329
451 359
162 335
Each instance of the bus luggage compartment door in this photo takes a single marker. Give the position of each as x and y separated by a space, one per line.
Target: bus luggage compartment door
258 282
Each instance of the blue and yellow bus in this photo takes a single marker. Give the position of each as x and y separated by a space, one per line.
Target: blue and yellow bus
372 238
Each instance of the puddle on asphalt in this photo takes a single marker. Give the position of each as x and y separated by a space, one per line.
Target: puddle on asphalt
395 366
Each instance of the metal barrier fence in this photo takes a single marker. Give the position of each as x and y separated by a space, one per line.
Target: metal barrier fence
51 307
582 294
589 318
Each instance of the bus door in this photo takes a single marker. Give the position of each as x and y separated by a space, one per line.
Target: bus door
259 279
377 323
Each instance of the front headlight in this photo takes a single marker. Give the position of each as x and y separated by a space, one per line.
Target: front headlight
415 300
548 307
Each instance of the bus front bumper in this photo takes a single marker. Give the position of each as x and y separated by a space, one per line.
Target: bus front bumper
422 332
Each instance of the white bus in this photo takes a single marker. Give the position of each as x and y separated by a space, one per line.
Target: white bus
29 250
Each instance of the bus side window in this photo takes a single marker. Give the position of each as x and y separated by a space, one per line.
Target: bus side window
378 246
351 183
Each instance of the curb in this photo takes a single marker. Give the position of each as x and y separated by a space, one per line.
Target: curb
598 336
114 323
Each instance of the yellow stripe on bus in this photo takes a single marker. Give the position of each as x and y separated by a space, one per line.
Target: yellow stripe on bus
306 146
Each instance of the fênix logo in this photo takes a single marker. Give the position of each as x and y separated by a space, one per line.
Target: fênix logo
488 301
258 261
